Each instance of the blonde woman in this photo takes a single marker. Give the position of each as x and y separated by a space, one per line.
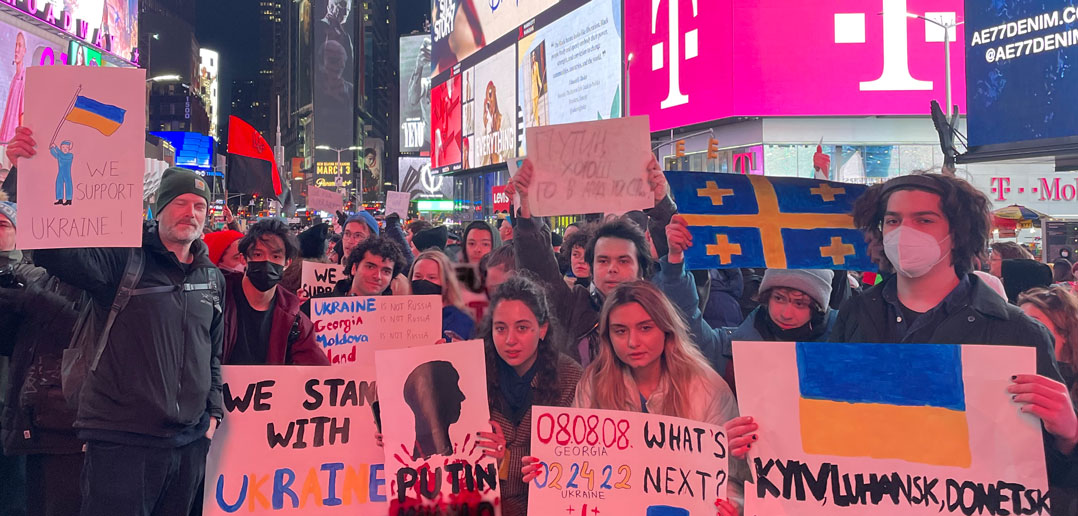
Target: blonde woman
647 363
432 274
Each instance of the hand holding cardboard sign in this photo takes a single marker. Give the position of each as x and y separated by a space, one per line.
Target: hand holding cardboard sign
1050 401
678 238
532 468
520 184
21 145
740 434
657 180
726 508
493 442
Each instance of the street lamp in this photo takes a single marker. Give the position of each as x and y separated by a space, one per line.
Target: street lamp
947 27
628 63
165 78
339 181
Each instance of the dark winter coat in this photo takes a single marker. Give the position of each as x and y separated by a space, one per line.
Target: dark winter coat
286 313
161 369
723 303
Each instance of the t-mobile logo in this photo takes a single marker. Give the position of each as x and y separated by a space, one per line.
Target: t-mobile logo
850 28
674 96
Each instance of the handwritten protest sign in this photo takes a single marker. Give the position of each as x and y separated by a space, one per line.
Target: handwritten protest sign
889 429
434 400
776 222
296 440
600 165
318 279
350 329
323 200
613 462
397 202
83 188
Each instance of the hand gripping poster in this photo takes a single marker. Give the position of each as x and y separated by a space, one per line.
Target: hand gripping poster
889 429
83 187
434 402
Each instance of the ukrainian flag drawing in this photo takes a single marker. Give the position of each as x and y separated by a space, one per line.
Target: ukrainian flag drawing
775 222
91 113
884 401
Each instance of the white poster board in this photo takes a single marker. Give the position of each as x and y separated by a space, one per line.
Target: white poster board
434 400
296 440
319 279
599 166
625 463
397 202
323 200
829 415
350 329
83 188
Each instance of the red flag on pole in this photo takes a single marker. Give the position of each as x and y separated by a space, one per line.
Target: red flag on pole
253 168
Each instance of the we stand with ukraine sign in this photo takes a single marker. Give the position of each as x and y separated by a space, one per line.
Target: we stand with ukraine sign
889 429
775 222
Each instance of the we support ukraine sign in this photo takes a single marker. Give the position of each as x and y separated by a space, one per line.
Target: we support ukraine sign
774 222
889 429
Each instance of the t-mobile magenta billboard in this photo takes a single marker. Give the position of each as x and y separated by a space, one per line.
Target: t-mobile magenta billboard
700 60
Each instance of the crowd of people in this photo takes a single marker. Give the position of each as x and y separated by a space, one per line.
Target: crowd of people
603 316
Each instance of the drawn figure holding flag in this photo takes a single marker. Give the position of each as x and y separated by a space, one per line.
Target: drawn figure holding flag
64 185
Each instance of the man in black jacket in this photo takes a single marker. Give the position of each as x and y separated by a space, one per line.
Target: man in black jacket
929 229
150 408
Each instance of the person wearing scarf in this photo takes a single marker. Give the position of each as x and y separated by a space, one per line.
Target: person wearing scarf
524 369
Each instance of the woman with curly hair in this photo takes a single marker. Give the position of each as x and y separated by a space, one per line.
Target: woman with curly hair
524 369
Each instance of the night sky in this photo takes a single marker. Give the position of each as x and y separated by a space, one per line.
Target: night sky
231 28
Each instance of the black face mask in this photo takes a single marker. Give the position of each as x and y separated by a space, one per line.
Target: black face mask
426 288
264 275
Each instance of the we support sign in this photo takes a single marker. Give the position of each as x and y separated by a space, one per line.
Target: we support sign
889 429
296 440
610 462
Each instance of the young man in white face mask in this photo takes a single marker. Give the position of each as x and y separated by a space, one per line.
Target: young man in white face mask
929 229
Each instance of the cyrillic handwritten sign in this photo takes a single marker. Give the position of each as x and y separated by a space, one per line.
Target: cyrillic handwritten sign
434 400
891 429
611 462
323 200
83 188
397 202
601 166
296 440
350 329
318 279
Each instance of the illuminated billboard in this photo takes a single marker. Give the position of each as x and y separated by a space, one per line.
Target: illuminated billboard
1018 59
325 174
492 110
109 25
416 178
193 150
207 74
788 58
21 50
557 86
415 93
334 71
462 27
445 127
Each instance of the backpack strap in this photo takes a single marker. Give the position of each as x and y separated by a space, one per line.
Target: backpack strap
132 275
293 336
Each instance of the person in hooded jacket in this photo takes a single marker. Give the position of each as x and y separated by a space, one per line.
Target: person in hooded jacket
263 321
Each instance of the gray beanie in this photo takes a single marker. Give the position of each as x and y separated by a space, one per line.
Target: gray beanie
814 282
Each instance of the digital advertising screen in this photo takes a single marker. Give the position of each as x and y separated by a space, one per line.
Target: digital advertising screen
116 21
570 70
415 93
326 172
193 150
445 131
20 50
415 177
493 110
207 74
461 27
334 68
1019 56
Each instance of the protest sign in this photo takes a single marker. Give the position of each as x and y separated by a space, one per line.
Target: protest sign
323 200
350 329
775 222
397 202
889 429
319 279
434 400
613 462
599 165
83 188
296 440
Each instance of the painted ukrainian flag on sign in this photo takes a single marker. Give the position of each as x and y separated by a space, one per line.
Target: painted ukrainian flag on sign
775 222
91 113
884 401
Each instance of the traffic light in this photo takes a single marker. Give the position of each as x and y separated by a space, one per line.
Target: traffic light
679 148
712 149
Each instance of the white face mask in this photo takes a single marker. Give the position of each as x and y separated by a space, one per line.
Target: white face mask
913 253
